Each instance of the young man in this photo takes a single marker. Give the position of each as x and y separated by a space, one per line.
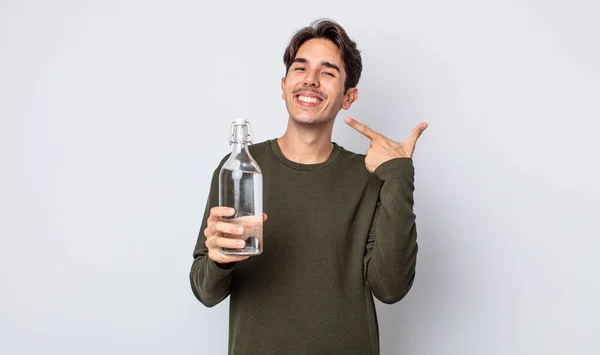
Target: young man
341 226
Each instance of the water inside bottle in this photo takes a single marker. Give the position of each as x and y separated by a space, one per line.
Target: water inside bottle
252 235
243 191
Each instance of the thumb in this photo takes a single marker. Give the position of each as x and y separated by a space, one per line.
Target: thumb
417 131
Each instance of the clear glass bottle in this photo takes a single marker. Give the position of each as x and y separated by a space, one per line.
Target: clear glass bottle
241 187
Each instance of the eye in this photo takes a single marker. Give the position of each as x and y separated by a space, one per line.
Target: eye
299 68
329 73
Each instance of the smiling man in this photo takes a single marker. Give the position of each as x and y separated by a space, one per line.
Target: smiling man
341 227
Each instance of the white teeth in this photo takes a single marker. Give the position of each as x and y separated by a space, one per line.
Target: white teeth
313 100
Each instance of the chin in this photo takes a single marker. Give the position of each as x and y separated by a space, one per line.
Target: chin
308 120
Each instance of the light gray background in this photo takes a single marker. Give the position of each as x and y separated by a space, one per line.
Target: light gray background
114 114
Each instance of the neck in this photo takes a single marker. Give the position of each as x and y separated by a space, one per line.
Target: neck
307 144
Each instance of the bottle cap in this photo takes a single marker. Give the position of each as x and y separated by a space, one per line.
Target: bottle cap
241 120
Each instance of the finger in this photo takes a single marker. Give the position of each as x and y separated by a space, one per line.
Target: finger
222 242
220 211
361 128
214 243
210 231
264 217
416 132
229 228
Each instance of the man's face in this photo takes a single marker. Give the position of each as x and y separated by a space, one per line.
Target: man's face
313 89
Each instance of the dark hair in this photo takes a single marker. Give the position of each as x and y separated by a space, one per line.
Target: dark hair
328 29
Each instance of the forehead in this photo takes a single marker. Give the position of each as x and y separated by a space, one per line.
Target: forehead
318 50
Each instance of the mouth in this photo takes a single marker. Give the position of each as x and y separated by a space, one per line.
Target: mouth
308 100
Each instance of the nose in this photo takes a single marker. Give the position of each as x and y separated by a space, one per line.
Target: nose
311 78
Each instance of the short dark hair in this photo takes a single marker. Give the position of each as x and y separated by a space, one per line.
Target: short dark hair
328 29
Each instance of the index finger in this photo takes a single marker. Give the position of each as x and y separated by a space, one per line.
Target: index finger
361 128
220 211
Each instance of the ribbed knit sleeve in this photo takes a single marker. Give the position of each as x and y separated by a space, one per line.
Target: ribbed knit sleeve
391 253
210 282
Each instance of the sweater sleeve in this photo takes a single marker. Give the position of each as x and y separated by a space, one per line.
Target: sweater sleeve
391 251
210 282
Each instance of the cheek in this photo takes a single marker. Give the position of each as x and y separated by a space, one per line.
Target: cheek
333 90
337 97
288 87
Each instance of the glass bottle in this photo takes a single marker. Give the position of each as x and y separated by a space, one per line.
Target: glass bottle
241 187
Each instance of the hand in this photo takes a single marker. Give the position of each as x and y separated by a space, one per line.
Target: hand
382 148
214 239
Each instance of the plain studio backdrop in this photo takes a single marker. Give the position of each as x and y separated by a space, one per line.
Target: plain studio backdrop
115 113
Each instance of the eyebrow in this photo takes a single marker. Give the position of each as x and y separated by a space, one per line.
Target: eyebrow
323 63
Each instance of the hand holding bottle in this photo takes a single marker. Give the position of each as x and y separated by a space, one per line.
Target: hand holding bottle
216 232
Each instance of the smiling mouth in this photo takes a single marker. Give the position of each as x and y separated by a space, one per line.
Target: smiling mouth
308 101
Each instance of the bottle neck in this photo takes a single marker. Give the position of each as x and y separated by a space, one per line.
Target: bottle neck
239 138
237 147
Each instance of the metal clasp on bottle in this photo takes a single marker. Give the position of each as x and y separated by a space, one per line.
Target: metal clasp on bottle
249 137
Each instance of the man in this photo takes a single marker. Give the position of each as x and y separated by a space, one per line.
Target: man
341 226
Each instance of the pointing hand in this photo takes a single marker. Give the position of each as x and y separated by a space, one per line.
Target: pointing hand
382 148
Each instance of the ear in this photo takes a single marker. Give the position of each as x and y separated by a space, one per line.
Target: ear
283 88
349 98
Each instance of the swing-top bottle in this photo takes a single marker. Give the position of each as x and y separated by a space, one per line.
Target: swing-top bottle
241 187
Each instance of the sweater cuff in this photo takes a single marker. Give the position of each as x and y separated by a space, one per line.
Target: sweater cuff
395 168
